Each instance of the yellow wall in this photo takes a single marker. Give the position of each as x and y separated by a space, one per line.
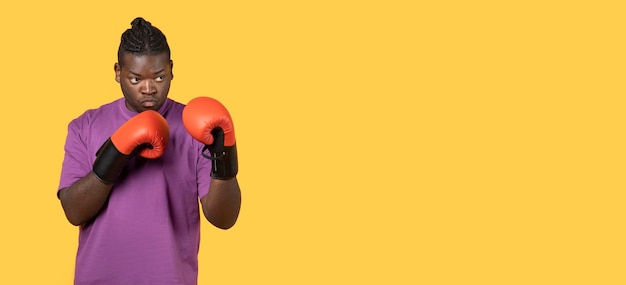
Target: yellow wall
380 142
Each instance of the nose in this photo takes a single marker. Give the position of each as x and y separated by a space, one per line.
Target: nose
149 87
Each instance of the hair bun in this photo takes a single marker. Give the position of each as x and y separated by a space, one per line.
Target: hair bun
140 22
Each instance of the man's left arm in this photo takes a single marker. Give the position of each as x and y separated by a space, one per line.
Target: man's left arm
209 122
222 204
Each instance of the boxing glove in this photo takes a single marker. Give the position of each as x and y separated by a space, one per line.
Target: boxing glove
209 122
146 134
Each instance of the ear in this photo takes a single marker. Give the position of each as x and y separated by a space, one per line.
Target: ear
118 71
172 68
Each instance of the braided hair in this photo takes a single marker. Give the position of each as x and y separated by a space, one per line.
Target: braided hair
142 39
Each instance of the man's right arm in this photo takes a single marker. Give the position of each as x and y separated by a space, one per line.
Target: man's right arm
84 199
145 134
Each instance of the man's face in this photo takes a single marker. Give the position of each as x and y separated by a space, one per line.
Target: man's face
145 80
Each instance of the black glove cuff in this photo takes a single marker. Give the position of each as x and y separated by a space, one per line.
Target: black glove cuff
224 163
109 162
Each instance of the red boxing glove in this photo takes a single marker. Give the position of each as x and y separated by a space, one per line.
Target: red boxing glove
147 133
209 122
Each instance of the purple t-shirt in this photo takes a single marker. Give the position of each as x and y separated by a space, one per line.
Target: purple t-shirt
149 230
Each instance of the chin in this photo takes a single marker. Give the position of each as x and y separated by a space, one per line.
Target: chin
154 108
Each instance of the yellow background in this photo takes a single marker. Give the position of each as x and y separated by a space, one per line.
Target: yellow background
380 142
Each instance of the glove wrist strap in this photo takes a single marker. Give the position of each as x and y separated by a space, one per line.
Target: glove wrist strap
109 163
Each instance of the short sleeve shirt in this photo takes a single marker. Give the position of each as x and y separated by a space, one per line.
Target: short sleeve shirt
148 232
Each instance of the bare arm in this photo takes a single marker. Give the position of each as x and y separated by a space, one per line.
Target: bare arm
221 205
84 199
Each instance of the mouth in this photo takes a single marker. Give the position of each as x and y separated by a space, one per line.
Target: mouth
148 103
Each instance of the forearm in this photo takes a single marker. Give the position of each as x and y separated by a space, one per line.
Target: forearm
222 204
84 199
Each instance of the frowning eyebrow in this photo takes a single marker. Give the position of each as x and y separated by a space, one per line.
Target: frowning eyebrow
156 72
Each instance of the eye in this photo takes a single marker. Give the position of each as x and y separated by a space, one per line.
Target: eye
134 80
160 78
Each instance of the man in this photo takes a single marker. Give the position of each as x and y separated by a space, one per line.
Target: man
135 168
